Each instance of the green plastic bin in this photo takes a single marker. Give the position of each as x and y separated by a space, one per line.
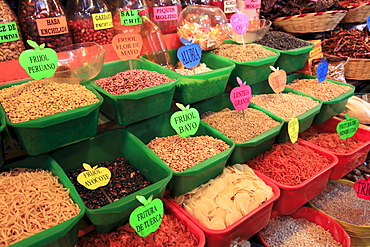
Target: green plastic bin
253 71
294 59
132 107
64 234
194 88
187 180
250 148
329 108
2 135
107 147
48 133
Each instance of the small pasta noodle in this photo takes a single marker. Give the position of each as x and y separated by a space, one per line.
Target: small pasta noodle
31 200
289 164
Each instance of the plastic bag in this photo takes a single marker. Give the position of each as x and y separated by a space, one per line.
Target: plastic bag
336 68
357 108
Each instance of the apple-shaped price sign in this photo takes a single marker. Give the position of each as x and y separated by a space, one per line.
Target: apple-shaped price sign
347 128
127 45
241 96
368 22
185 122
362 188
293 129
277 80
147 218
322 70
190 54
39 62
239 21
94 177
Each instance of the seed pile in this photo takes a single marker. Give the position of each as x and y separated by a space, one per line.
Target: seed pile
224 200
285 231
31 201
324 91
284 105
132 80
182 153
339 200
239 126
242 54
281 41
125 180
40 98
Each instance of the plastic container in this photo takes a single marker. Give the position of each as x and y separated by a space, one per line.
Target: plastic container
293 197
329 108
319 218
347 161
132 107
107 147
244 228
2 135
305 120
194 88
253 71
359 234
48 133
64 234
187 180
250 148
294 59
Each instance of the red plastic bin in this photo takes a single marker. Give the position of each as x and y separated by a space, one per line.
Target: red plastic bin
293 197
244 228
347 161
329 224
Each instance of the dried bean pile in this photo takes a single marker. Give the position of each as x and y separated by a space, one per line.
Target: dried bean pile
182 153
125 180
239 126
40 98
331 140
339 200
171 233
284 105
242 54
82 30
347 3
132 80
324 91
348 43
281 41
360 172
285 231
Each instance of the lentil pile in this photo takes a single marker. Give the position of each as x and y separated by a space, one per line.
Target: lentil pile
242 54
339 200
239 126
289 164
125 180
132 80
40 98
182 153
171 233
285 231
281 41
324 91
284 105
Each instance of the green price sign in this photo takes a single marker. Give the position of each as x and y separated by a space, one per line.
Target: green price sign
130 17
39 62
185 122
8 32
147 218
347 128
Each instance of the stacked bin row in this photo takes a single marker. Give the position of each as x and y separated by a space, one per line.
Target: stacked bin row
145 115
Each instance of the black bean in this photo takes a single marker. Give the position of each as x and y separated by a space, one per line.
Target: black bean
281 41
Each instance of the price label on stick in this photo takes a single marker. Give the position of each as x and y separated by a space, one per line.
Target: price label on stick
362 188
239 21
277 80
347 128
190 54
241 96
94 177
185 122
147 218
322 70
128 45
368 22
39 62
293 129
